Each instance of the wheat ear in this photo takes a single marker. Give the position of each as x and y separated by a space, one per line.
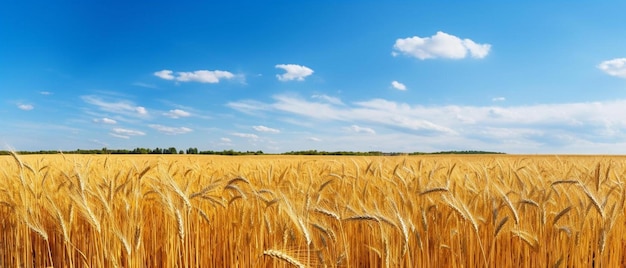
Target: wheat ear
283 256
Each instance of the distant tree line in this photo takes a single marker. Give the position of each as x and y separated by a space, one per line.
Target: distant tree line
192 150
467 152
316 152
378 153
138 150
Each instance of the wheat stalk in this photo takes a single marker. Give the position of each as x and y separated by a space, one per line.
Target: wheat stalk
284 257
594 200
500 225
434 190
528 238
561 214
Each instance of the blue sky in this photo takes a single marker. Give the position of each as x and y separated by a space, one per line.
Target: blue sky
404 76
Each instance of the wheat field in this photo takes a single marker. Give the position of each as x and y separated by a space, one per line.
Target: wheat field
312 211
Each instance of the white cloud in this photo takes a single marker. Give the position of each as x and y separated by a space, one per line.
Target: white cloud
165 74
125 133
293 72
315 110
397 85
25 107
547 128
478 51
121 107
358 129
614 67
119 136
45 93
225 140
375 111
177 113
314 139
246 135
141 110
440 45
329 99
248 106
498 99
204 76
201 76
266 129
170 130
105 120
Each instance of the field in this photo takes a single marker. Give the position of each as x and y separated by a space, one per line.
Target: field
284 211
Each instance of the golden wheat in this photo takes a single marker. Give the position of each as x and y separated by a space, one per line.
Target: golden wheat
311 211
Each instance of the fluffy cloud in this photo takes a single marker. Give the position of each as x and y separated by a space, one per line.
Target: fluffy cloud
225 140
397 85
25 107
204 76
165 74
170 130
126 133
120 107
614 67
266 129
358 129
105 120
246 135
201 76
293 72
177 113
440 45
141 110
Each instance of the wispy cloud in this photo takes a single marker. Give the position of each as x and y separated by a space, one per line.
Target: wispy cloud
293 72
25 107
119 136
377 111
225 140
125 133
45 93
145 85
397 85
329 99
201 76
440 45
517 127
248 106
265 129
498 99
314 139
177 113
358 129
614 67
120 107
105 120
170 130
245 135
